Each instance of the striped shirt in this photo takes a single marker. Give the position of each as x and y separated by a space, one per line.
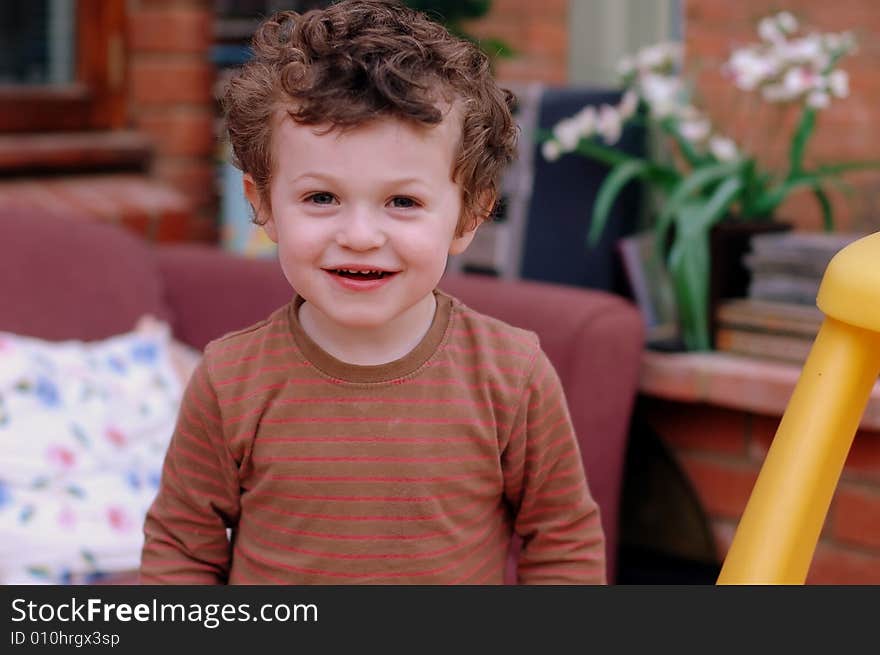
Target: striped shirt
289 466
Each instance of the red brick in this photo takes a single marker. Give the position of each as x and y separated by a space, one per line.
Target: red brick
722 487
837 565
173 80
181 132
547 38
697 427
170 29
196 179
531 69
855 516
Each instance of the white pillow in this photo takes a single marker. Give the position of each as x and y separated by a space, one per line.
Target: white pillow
84 427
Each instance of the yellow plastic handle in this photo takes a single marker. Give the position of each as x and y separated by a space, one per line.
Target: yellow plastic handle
777 535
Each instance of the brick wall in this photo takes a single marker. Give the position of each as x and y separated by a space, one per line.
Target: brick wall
171 98
721 451
849 130
536 30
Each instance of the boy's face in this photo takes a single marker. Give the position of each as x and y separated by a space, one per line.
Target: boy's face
378 199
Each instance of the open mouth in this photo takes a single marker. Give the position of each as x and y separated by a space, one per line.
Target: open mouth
361 275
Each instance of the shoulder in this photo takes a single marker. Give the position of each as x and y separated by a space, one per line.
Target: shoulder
481 329
481 342
250 341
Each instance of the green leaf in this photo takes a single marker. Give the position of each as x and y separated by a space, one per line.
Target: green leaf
694 183
611 187
799 143
670 126
690 261
837 169
825 205
689 270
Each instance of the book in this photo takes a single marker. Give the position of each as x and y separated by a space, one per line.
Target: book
650 287
767 316
765 345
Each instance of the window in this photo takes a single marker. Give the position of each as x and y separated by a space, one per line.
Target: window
63 65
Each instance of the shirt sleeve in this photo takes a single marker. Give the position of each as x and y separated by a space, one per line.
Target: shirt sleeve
544 483
185 531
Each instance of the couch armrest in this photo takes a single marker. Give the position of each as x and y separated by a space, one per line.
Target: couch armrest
211 292
594 340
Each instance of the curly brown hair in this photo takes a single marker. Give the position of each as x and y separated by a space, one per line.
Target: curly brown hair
359 60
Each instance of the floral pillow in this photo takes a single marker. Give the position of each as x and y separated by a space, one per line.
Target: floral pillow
83 431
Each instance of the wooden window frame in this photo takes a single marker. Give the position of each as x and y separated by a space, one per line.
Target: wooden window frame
96 100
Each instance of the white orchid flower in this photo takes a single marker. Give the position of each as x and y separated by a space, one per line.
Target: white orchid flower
661 93
609 124
628 104
776 93
723 149
787 22
818 99
551 150
695 131
568 134
838 83
585 119
769 31
799 80
807 50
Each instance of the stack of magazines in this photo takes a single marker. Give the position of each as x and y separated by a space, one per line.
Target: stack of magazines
779 318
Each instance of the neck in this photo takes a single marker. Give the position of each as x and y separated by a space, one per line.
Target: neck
370 346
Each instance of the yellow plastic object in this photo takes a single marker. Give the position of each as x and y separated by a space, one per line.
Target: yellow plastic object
777 535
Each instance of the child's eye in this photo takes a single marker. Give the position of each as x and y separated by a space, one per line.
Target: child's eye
403 202
322 198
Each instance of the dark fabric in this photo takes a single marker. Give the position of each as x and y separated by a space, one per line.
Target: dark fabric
212 292
594 341
68 278
563 193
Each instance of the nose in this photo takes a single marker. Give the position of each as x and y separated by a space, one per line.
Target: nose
360 230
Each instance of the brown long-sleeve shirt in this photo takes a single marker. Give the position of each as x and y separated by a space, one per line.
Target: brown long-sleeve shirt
289 466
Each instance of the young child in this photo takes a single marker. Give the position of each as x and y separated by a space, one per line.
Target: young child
375 430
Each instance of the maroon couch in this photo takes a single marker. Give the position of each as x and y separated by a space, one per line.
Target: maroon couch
73 279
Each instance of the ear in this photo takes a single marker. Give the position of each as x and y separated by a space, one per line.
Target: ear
462 241
253 197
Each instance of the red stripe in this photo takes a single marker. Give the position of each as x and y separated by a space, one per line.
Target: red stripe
455 382
240 341
378 439
366 556
504 336
243 556
374 401
381 460
374 499
418 536
376 419
376 517
483 349
338 574
262 353
211 531
367 478
492 547
255 392
220 501
179 449
260 371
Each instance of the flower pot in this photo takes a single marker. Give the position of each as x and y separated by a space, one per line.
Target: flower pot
729 241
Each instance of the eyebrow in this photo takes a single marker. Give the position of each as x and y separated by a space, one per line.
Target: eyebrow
324 177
